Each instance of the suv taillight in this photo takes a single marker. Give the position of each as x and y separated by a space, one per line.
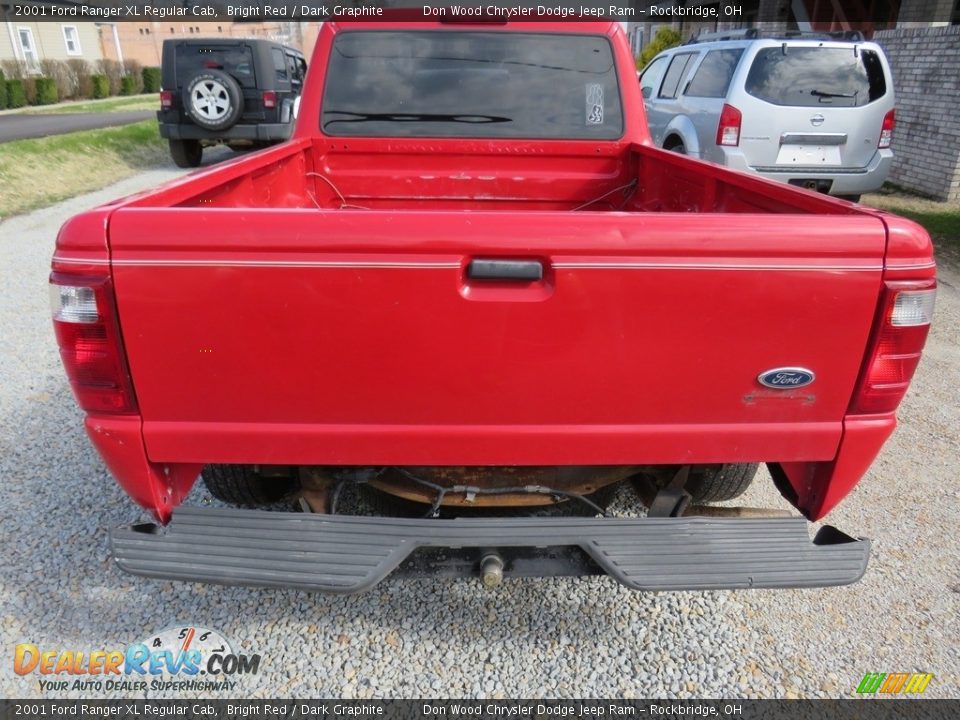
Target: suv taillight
896 346
166 99
85 324
728 129
886 130
269 99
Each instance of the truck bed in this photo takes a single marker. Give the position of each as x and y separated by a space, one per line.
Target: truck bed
456 175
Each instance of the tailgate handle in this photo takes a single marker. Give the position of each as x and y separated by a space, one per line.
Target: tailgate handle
521 270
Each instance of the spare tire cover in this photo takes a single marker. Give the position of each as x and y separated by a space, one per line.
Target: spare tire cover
213 99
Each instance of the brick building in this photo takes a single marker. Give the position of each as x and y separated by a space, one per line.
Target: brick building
142 41
926 77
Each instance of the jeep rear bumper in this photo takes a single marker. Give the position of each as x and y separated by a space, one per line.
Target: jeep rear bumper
346 554
259 132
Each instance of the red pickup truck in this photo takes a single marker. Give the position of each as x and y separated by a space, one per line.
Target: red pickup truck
470 286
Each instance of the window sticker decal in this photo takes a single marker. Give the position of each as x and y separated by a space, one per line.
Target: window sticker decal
594 104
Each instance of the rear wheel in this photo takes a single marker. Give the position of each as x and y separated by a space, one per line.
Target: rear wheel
675 144
186 153
240 485
851 198
715 483
213 99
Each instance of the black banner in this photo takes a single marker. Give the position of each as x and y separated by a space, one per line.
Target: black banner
843 13
866 709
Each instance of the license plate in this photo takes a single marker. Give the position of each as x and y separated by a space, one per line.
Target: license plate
809 155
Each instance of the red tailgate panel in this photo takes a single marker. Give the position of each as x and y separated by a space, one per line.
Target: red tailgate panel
355 337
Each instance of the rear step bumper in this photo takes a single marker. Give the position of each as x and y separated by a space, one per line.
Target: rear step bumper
347 554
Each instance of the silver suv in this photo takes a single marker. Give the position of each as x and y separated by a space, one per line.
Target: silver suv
811 109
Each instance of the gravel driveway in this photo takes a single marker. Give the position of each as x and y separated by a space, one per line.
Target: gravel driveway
532 638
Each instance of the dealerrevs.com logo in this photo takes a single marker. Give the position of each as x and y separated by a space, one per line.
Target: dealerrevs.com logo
176 658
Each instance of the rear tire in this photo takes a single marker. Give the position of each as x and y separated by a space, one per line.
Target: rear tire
240 485
213 100
850 198
186 153
718 483
675 144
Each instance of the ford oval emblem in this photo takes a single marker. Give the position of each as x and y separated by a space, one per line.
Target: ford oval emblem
786 378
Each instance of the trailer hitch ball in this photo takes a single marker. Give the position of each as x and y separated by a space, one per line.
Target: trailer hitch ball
491 570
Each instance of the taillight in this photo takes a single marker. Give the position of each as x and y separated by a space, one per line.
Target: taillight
85 324
166 99
728 130
896 346
886 130
269 99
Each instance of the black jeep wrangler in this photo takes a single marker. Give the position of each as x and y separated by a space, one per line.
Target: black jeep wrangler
227 90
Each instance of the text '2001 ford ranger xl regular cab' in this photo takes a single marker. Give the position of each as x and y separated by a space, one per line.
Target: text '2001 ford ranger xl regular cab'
469 285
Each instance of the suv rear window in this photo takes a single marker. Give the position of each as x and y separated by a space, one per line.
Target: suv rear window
471 84
712 78
235 60
817 76
279 63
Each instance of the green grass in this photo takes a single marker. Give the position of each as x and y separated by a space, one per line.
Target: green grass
940 219
135 102
39 172
940 223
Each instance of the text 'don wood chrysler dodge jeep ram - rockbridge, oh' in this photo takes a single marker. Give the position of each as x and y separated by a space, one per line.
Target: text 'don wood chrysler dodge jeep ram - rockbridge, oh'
471 297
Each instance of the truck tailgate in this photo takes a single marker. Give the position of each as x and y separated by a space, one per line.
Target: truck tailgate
356 337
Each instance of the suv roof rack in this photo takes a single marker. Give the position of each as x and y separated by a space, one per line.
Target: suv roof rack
756 33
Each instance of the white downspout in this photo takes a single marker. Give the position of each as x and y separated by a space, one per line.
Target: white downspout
800 13
116 43
13 40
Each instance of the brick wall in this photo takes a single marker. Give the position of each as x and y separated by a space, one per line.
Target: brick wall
924 11
142 41
926 77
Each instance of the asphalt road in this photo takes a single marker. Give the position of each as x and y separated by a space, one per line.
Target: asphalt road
21 126
560 637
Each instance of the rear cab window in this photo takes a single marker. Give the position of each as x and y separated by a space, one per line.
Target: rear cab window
712 78
472 84
810 76
235 60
